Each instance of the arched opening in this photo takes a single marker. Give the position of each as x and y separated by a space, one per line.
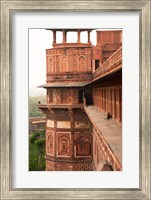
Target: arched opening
50 144
82 63
64 146
64 64
50 65
83 146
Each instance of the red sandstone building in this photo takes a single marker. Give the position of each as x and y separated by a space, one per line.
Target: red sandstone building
84 103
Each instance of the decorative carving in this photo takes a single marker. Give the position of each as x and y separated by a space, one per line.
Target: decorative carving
64 64
83 146
57 64
64 140
82 63
73 167
83 167
61 113
75 63
70 62
63 124
56 96
49 96
71 114
64 146
50 142
89 63
50 66
70 76
64 167
82 124
102 152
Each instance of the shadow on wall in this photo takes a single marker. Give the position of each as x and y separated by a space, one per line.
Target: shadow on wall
88 97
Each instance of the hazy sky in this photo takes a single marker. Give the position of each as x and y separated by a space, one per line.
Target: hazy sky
39 40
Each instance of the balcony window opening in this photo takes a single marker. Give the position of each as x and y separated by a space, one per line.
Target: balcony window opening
97 64
81 96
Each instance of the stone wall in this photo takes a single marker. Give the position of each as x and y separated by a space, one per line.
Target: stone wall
72 59
68 140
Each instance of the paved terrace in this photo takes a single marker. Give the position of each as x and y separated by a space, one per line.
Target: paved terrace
111 131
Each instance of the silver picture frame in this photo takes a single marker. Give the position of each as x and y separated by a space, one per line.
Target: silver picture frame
8 7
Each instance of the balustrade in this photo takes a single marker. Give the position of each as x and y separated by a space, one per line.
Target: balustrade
106 152
69 76
110 64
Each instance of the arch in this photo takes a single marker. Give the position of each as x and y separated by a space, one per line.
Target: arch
64 146
50 144
50 65
82 63
83 146
64 64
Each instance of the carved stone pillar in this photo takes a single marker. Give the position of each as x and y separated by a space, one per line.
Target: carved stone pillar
89 37
64 36
54 36
78 33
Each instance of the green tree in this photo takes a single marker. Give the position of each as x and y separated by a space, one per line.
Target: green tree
40 145
36 135
37 151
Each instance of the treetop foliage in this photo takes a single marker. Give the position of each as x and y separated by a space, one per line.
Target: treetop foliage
34 111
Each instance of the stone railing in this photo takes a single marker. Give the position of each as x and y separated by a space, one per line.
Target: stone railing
105 152
111 64
69 76
60 105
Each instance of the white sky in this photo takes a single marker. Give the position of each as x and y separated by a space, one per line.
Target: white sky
39 40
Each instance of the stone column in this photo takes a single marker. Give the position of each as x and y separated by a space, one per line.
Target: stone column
54 36
64 36
89 36
78 33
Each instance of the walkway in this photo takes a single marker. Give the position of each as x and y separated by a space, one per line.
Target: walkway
111 131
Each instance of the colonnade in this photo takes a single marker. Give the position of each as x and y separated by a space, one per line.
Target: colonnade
109 99
64 34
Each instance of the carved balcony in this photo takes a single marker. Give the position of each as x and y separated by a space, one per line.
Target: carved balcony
67 106
69 76
111 65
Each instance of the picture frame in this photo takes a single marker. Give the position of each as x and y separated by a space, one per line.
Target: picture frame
144 9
